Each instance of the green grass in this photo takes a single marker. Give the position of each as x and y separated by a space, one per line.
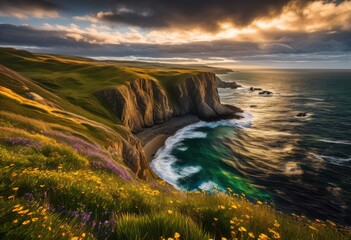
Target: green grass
77 79
59 178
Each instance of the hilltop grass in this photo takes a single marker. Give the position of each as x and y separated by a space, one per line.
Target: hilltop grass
58 180
76 79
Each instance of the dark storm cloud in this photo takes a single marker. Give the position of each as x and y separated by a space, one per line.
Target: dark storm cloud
185 14
25 35
281 43
30 4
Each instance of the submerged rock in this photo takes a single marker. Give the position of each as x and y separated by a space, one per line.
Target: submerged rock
265 93
223 84
255 89
302 114
253 106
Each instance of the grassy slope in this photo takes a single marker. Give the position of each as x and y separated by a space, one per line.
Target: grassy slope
76 79
56 181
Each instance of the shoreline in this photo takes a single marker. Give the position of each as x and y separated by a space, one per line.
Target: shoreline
153 138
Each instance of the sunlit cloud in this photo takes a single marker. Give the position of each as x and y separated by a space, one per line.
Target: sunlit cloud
294 27
24 9
28 13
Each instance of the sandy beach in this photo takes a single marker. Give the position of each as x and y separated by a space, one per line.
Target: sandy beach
154 138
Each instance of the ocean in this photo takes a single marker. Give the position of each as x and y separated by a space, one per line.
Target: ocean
301 165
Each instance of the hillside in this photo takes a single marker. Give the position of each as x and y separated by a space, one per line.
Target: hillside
72 168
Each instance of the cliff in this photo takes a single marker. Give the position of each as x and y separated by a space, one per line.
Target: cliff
143 103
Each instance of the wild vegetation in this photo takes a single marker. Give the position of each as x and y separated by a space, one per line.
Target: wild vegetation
59 180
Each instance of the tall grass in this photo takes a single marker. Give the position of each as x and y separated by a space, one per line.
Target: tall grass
48 189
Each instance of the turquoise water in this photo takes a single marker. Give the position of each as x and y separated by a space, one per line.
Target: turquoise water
303 165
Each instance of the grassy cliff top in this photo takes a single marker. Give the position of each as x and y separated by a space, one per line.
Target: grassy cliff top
75 79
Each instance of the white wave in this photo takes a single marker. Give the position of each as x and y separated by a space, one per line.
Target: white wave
187 171
335 141
209 186
315 99
336 160
183 149
163 162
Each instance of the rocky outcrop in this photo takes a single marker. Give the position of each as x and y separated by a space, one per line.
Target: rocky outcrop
265 93
143 103
223 84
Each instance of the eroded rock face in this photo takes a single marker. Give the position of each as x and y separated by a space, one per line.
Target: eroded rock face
144 103
139 104
199 95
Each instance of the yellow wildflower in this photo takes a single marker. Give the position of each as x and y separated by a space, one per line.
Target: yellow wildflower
276 235
169 211
17 209
74 238
34 219
242 229
10 197
216 219
234 207
251 235
223 238
276 223
259 202
313 228
42 185
49 228
83 234
23 212
176 235
15 221
221 207
263 236
15 188
331 223
26 222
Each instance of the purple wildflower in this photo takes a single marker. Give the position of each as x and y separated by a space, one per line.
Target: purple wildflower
21 141
99 157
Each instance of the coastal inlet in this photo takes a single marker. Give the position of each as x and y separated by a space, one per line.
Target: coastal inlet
292 147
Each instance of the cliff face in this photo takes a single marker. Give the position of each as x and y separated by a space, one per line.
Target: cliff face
144 103
139 104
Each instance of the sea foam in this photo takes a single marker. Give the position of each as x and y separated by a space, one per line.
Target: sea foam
163 163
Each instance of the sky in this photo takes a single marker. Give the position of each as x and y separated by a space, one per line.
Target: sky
229 33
